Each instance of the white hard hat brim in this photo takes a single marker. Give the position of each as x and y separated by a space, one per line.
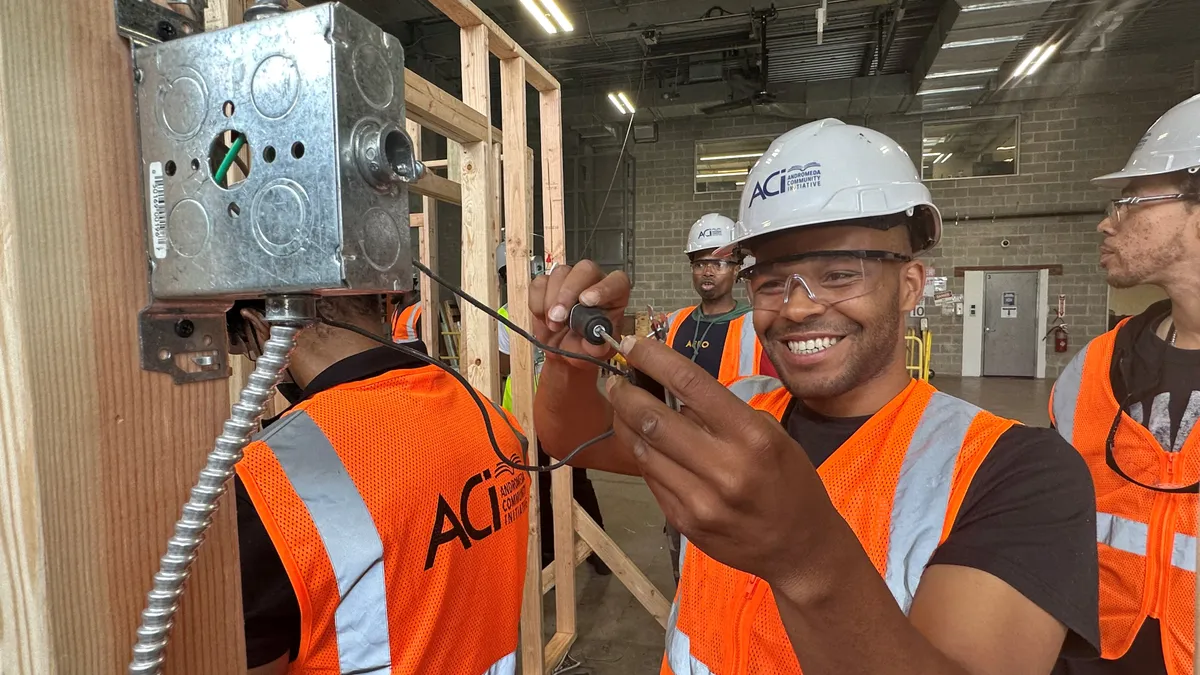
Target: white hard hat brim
1120 179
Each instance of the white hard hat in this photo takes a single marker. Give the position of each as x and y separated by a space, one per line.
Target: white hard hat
501 257
713 230
827 171
1171 144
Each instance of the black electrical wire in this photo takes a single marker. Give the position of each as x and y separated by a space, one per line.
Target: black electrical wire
487 419
514 327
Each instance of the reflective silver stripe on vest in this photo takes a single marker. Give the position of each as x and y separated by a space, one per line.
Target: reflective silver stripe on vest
1133 537
747 364
351 541
923 493
1066 394
750 387
679 645
410 326
505 666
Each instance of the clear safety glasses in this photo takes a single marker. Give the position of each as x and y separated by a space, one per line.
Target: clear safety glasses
714 264
824 277
1118 207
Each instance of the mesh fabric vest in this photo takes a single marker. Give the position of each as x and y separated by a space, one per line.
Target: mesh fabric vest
402 535
1146 539
898 482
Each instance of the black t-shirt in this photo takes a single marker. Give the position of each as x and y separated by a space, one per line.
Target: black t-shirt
1159 386
1028 519
269 605
702 339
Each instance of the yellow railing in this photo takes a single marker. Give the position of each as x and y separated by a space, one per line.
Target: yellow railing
919 348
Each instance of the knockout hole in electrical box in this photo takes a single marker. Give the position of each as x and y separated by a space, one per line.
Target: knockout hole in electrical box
229 158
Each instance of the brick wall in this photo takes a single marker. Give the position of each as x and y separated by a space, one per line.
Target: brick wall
1048 212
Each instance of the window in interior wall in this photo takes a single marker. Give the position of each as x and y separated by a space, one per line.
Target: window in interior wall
970 148
722 166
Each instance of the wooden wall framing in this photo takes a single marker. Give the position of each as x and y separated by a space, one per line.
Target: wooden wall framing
96 455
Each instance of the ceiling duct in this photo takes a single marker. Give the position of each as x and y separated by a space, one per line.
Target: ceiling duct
968 47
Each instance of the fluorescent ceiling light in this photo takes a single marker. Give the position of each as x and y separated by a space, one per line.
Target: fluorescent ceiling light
961 73
563 22
1003 4
1042 58
723 174
722 158
617 103
625 99
1007 147
1009 159
943 159
949 90
952 107
983 42
931 154
1026 62
540 16
740 183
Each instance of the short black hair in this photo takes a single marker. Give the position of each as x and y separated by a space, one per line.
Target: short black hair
920 226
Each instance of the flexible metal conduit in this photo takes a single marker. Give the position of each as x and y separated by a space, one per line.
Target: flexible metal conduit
163 600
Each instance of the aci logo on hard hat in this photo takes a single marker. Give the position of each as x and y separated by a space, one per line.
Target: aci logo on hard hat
796 177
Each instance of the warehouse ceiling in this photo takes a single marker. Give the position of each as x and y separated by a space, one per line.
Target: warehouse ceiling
683 57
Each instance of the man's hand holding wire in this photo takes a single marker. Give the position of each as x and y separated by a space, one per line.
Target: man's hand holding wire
551 297
727 476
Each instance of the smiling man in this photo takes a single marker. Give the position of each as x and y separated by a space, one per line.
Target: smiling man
847 519
1129 402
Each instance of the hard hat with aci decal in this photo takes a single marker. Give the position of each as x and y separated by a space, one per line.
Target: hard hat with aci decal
1171 144
713 230
827 171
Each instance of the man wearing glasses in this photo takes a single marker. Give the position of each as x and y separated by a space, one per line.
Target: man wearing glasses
847 519
718 334
1129 402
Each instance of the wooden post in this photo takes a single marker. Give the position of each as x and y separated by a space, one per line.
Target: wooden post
518 234
480 354
96 455
554 231
428 252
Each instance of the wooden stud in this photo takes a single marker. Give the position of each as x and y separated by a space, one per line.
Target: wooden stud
96 455
518 233
625 569
549 578
434 109
556 650
467 15
433 185
554 227
427 247
479 355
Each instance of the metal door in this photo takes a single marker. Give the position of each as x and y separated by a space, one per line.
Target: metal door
1010 339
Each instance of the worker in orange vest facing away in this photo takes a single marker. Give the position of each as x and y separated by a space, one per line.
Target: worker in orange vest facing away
1129 402
372 541
406 323
848 519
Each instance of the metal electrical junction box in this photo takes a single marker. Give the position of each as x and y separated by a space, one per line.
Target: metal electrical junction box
275 159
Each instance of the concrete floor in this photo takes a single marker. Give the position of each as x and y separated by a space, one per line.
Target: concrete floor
616 636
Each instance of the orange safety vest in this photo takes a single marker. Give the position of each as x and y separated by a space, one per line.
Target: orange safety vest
898 482
1146 539
742 353
405 542
404 324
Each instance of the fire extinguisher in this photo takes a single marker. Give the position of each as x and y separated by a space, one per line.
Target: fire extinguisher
1061 339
